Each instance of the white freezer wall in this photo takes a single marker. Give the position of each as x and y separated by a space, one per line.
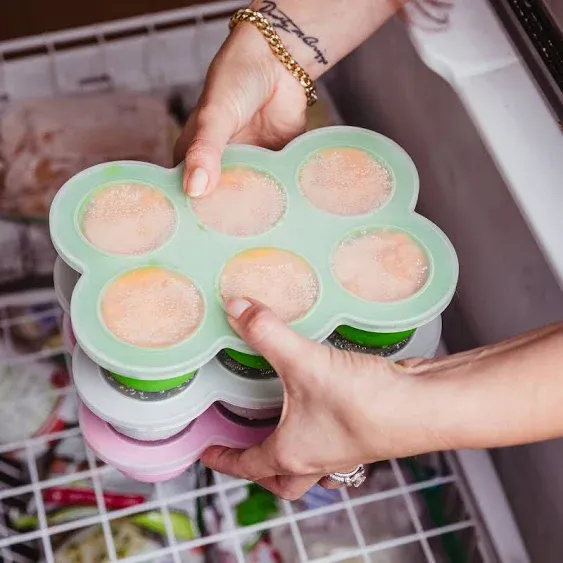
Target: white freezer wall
506 286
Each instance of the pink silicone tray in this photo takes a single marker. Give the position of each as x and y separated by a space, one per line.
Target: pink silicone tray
165 459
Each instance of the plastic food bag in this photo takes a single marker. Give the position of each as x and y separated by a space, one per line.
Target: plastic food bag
142 532
35 327
45 142
29 404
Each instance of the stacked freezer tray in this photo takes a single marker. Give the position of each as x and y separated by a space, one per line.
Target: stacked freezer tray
59 502
160 373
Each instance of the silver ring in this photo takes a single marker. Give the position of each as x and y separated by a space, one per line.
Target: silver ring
352 479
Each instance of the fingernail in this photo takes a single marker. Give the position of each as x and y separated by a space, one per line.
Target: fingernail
237 307
197 182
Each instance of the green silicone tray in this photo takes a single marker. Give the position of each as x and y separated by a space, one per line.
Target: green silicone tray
200 254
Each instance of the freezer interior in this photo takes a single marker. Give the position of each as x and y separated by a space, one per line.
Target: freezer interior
451 107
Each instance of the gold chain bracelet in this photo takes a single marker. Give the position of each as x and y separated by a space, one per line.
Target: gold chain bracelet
278 48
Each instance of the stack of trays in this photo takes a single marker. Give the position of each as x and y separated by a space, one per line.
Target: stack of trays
324 232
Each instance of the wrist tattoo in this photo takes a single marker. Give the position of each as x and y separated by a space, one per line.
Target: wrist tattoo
280 20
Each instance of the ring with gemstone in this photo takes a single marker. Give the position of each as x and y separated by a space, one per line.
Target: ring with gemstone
352 479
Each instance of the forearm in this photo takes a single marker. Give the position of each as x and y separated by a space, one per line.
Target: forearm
505 394
319 33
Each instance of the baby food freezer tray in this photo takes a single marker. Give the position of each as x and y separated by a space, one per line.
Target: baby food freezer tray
199 255
159 409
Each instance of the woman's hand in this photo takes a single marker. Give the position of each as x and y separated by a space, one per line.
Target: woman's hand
249 97
340 410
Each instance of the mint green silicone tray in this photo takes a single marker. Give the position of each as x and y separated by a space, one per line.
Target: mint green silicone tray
201 254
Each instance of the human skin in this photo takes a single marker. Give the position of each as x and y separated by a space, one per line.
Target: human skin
340 408
250 97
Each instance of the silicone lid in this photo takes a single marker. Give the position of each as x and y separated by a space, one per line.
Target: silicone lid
213 382
153 385
200 254
423 343
253 414
248 360
373 339
156 460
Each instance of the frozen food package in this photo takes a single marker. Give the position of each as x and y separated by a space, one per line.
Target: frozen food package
139 533
26 250
143 531
45 142
30 405
35 327
132 536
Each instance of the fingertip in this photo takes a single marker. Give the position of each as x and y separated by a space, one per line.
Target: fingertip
211 455
196 182
265 332
211 128
237 307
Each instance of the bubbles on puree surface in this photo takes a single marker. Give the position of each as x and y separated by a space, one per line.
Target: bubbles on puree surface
345 181
280 279
246 202
128 219
381 266
152 307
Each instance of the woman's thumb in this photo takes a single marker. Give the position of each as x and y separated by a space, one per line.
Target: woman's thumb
202 143
267 334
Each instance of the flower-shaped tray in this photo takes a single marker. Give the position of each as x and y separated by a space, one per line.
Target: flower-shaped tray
201 254
156 416
146 416
165 459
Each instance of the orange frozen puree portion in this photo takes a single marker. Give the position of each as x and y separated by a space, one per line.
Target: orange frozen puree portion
246 202
128 219
152 307
381 266
280 279
345 181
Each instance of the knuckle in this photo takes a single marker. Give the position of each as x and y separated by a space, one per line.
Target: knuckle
315 363
205 116
291 465
200 148
249 476
289 493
